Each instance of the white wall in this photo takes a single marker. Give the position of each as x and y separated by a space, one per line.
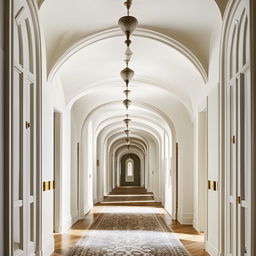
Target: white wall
86 170
54 100
47 169
1 128
202 170
75 138
208 167
213 172
212 244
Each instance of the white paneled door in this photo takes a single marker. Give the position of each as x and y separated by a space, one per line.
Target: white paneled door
23 131
238 132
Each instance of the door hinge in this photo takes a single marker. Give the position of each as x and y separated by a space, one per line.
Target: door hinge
233 139
238 199
27 125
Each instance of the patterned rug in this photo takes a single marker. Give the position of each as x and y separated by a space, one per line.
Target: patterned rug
129 234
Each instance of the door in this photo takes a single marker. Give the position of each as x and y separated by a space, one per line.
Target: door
130 170
238 131
24 142
57 132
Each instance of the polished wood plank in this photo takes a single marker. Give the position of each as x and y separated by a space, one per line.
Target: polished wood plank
190 238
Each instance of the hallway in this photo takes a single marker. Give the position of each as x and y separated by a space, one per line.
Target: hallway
127 127
129 222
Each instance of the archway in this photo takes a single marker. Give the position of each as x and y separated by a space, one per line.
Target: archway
130 170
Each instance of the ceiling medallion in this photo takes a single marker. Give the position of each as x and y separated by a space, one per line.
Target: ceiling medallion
127 24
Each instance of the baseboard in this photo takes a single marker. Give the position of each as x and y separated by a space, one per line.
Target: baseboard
157 198
195 225
69 223
211 249
98 200
48 245
84 213
185 218
40 253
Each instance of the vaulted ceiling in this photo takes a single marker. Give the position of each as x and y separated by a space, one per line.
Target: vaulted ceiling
172 47
189 22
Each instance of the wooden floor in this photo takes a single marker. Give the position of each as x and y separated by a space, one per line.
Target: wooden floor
127 196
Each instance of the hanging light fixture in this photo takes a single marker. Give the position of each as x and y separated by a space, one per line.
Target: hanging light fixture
127 103
127 75
127 132
126 92
127 120
127 24
128 55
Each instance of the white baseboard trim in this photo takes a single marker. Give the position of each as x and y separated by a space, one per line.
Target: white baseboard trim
195 225
185 218
98 200
40 253
168 210
211 249
157 198
86 211
68 224
48 245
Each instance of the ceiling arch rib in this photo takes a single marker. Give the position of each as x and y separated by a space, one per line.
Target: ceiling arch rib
113 134
135 140
123 151
122 147
141 124
138 83
95 69
147 134
116 121
114 115
168 17
143 33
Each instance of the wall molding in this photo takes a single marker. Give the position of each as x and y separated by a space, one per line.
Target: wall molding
98 199
211 249
48 245
195 224
69 223
185 218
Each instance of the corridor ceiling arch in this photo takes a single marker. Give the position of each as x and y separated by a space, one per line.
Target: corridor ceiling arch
108 114
138 33
178 19
120 137
136 140
142 111
98 66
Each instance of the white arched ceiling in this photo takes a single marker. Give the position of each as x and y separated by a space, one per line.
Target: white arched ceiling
115 112
189 22
158 68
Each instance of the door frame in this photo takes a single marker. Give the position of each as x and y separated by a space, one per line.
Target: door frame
8 214
253 111
57 169
222 198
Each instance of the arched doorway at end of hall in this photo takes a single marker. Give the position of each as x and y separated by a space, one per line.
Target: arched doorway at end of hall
130 170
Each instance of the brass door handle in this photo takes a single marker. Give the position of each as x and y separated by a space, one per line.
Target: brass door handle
27 125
